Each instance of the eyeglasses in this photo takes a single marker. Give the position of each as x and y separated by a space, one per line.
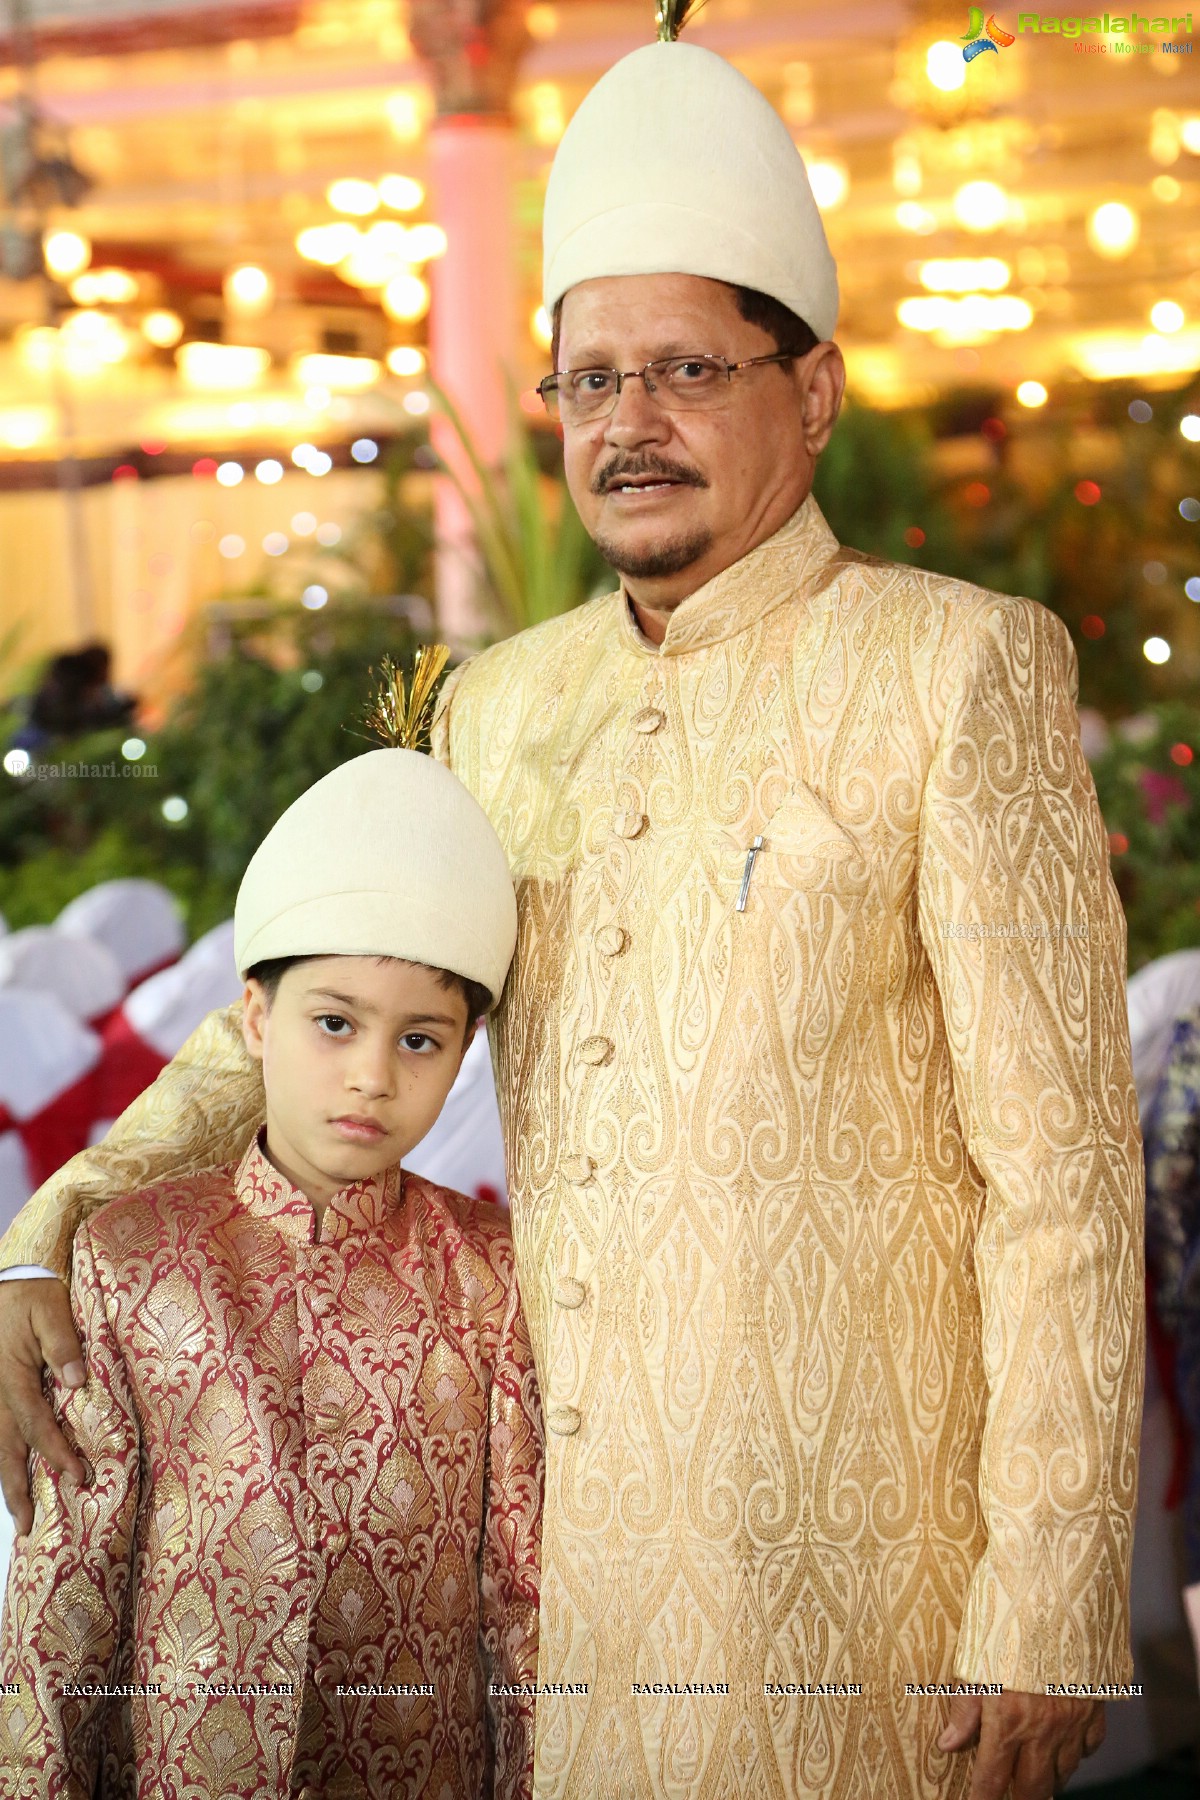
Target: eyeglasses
679 383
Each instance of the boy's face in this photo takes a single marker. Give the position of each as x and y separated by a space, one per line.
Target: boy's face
358 1057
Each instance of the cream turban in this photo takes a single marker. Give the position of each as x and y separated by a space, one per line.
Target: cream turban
387 856
675 163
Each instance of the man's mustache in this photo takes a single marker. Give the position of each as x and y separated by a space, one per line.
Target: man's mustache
623 468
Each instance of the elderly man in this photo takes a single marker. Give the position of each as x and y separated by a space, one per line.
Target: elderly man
813 1063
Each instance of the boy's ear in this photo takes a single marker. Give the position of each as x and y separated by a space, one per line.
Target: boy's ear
468 1039
254 1013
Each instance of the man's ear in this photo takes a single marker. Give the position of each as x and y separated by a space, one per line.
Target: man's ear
826 383
254 1017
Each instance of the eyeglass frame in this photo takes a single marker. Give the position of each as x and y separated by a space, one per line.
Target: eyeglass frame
623 375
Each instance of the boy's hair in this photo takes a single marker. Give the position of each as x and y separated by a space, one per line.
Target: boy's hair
270 972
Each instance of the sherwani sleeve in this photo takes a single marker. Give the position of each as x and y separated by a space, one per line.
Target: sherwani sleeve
198 1114
511 1552
68 1580
1025 934
439 728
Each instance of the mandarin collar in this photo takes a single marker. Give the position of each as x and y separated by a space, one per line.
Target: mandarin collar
783 565
362 1207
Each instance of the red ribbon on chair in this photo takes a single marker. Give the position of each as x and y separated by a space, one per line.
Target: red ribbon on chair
127 1066
52 1136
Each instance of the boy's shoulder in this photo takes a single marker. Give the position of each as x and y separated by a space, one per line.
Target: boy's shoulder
459 1224
190 1202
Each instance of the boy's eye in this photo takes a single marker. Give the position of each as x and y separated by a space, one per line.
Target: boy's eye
418 1040
328 1023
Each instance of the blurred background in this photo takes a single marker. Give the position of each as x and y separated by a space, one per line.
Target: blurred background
270 327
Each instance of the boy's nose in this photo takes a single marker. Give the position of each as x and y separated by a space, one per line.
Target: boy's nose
372 1075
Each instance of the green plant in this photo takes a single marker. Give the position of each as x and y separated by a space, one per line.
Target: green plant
264 720
1149 795
538 560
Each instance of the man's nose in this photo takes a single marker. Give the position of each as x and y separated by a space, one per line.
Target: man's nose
637 418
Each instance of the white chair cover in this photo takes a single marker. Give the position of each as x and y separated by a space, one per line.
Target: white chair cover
166 1009
138 920
44 1049
1157 995
81 973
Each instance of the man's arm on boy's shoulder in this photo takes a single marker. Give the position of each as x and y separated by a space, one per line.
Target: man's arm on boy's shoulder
439 728
197 1114
510 1562
67 1581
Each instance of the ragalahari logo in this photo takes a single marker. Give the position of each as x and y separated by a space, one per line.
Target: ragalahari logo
980 37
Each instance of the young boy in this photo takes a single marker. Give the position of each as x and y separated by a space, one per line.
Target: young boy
305 1562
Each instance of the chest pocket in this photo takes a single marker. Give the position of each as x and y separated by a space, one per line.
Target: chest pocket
803 848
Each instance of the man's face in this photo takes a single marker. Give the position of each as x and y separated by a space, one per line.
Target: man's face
358 1057
727 477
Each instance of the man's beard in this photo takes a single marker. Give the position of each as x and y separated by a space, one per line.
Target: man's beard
667 558
673 555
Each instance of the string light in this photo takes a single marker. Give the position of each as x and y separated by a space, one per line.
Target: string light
221 367
66 253
104 287
401 192
425 242
911 216
162 328
406 111
829 181
964 274
540 327
249 291
359 198
406 298
980 206
1112 229
1032 393
944 66
351 374
405 359
328 244
1167 316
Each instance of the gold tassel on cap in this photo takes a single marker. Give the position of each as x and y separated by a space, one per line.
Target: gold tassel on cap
400 716
669 16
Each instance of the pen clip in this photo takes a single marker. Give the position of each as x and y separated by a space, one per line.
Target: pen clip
753 851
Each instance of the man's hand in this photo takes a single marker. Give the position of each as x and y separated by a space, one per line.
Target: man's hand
35 1327
1034 1741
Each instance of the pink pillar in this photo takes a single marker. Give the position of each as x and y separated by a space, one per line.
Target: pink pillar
473 333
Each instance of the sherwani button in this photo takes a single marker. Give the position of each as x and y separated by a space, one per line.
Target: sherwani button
564 1421
569 1292
595 1050
649 719
577 1169
611 940
629 824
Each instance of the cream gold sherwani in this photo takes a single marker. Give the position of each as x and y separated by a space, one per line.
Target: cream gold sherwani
826 1188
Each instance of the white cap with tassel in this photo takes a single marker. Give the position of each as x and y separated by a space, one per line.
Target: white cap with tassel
676 164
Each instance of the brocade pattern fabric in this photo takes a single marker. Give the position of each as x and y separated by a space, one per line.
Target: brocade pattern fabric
827 1199
316 1471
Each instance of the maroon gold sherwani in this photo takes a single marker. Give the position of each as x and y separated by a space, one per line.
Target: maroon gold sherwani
309 1545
